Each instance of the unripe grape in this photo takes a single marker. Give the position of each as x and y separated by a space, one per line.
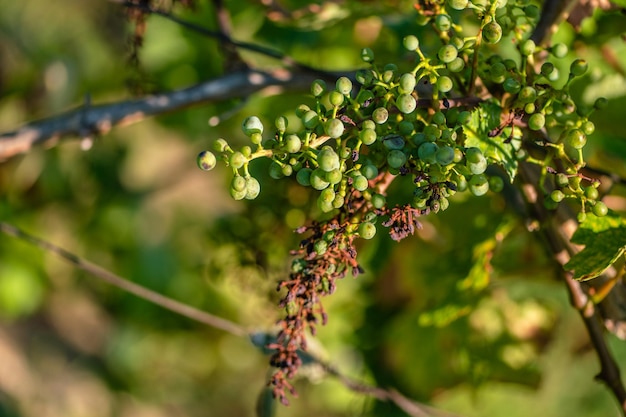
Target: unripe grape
475 161
407 83
367 230
334 176
443 22
369 171
405 128
310 119
456 65
287 170
367 136
447 53
600 209
511 85
427 151
328 159
338 201
444 84
528 94
318 179
591 193
458 4
532 11
206 160
578 67
492 32
496 184
576 138
411 43
334 128
252 125
439 118
368 124
304 177
367 55
253 188
464 117
293 144
601 103
320 247
562 180
380 115
445 155
588 127
336 98
344 85
537 121
559 50
327 195
378 200
478 184
360 183
237 195
318 87
238 183
557 196
256 138
220 145
364 76
396 158
281 124
529 108
474 154
406 103
237 160
393 142
527 47
276 171
547 68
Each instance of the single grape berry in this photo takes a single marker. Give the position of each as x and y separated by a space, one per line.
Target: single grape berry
334 176
411 43
492 32
360 183
444 84
367 55
559 50
511 85
527 47
537 121
496 184
427 152
576 138
588 127
445 155
578 67
443 22
600 209
458 4
310 119
447 53
367 136
407 83
557 196
547 68
456 65
378 200
527 94
220 145
334 128
367 230
406 103
293 144
328 159
591 193
237 160
380 115
206 160
304 177
318 87
478 184
317 179
252 125
369 171
396 158
344 85
601 103
253 188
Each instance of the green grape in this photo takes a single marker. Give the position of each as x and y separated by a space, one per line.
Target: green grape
591 193
405 128
388 75
344 85
532 11
338 201
378 200
334 176
246 151
537 121
220 145
439 118
364 77
380 115
588 127
304 177
576 138
293 144
509 64
562 180
281 123
367 230
345 152
458 4
406 103
367 55
310 119
327 195
253 188
464 117
527 94
478 184
320 247
474 155
302 109
396 158
252 125
456 65
557 196
411 43
444 84
393 142
529 108
578 67
369 171
363 96
276 171
511 85
328 159
443 22
206 160
238 195
367 136
368 124
600 209
492 32
334 128
601 103
496 184
407 83
427 152
559 50
256 138
287 170
447 53
547 68
360 183
527 47
237 160
445 155
461 182
475 161
317 179
336 98
498 72
238 183
318 87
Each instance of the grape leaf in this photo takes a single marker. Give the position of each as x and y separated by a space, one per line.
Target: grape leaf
486 118
605 241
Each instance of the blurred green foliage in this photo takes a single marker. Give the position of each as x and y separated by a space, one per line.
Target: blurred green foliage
458 316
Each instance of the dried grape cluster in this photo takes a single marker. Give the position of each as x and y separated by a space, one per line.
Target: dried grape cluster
442 122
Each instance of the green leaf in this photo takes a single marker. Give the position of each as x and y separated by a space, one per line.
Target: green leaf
605 241
485 118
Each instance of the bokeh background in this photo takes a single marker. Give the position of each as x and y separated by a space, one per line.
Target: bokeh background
456 317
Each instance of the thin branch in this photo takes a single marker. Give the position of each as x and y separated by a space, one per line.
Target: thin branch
135 289
409 406
89 119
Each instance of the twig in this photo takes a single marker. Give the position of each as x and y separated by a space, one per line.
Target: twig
102 118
